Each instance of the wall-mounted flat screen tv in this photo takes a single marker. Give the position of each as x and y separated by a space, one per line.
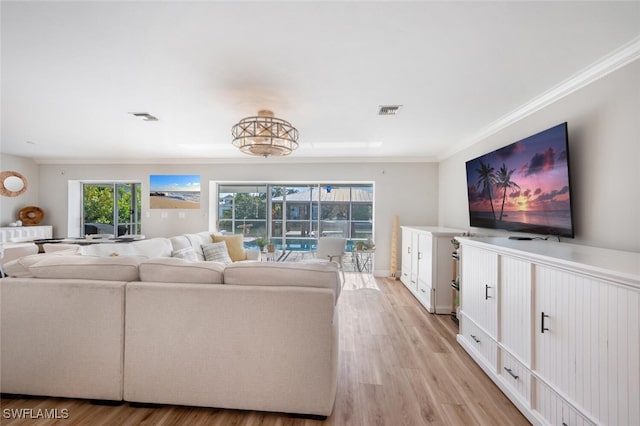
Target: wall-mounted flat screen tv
523 187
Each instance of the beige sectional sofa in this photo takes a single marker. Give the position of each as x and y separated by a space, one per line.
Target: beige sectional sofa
248 335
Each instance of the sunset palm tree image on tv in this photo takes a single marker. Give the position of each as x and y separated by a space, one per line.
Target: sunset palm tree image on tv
523 187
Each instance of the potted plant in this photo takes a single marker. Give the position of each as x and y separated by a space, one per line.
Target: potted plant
261 242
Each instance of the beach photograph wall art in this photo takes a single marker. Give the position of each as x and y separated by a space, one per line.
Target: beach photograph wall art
174 191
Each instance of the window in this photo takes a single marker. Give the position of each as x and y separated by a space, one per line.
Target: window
111 208
243 209
295 216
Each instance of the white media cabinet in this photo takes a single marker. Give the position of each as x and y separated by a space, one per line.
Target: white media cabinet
556 327
426 265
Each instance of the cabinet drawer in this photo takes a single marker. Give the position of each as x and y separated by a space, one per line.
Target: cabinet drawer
424 294
406 280
516 376
554 409
484 345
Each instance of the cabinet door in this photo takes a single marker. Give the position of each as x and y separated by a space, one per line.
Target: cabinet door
414 262
406 257
515 307
425 270
479 287
590 345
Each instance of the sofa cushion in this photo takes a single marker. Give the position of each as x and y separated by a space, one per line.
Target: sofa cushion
106 268
19 268
186 253
52 247
321 274
235 245
216 252
174 270
153 247
179 242
197 240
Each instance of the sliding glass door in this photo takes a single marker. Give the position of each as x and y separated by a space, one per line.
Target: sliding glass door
111 208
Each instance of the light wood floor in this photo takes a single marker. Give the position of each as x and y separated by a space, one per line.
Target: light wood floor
399 365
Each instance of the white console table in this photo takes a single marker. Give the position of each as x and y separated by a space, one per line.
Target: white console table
13 234
556 326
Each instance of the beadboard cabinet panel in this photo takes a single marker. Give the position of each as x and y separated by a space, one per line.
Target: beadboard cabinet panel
484 345
479 299
554 410
516 375
515 303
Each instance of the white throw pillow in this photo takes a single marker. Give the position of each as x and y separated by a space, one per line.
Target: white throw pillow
216 252
187 253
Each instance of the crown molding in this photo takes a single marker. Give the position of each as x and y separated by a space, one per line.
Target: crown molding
617 59
241 160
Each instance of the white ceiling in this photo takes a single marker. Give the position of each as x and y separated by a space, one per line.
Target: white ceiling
72 72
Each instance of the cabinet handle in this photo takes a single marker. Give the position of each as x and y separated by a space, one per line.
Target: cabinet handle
542 327
419 255
486 291
564 424
422 290
508 370
475 338
409 250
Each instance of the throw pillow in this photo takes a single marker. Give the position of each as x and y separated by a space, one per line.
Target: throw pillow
235 245
216 252
187 253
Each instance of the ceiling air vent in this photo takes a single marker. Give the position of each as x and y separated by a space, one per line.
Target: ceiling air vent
145 116
388 109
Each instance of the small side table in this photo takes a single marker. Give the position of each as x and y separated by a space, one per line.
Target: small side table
363 260
273 256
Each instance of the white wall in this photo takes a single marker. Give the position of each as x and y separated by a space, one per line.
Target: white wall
604 148
10 206
406 189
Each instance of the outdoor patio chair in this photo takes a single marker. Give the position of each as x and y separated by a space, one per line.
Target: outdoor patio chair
331 249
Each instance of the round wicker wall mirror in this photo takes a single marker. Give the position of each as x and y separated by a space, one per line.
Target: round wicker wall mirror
12 184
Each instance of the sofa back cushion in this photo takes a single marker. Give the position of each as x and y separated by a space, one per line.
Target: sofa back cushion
153 247
19 268
106 268
174 270
295 274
